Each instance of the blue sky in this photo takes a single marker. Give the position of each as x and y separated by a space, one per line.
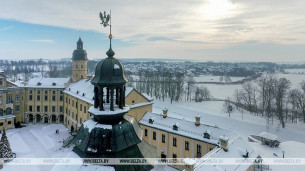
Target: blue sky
204 30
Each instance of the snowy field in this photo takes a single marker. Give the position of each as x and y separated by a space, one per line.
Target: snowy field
223 91
211 78
243 123
295 71
295 79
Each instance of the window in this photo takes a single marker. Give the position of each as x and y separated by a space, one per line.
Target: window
1 123
163 138
38 91
198 149
81 76
81 107
85 109
38 108
76 75
38 97
1 82
9 99
54 92
9 122
154 135
61 108
30 97
46 92
31 92
82 66
80 120
17 98
211 149
45 108
73 115
53 98
66 99
145 132
76 66
133 102
61 92
175 142
46 97
30 108
17 108
73 103
76 117
76 105
187 145
66 110
1 102
61 98
69 100
53 108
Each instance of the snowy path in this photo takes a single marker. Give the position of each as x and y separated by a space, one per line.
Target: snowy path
211 113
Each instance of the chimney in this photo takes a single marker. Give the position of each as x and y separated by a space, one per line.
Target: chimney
164 113
224 142
197 123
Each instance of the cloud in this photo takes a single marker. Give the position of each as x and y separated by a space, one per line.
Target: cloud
212 24
6 28
43 40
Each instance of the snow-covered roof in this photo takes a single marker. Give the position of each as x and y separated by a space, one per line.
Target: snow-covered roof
236 149
17 83
91 124
147 97
47 83
269 136
186 128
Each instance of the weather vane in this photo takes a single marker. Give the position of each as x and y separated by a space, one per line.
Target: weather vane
106 21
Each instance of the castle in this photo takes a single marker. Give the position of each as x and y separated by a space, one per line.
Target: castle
67 101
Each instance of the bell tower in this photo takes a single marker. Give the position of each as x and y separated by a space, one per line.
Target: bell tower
79 62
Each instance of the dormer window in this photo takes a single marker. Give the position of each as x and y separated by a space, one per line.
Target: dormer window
77 92
151 121
175 127
69 89
117 70
207 134
53 84
39 83
84 94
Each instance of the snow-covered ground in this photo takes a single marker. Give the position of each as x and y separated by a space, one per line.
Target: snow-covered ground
41 141
243 123
291 149
295 71
211 78
295 79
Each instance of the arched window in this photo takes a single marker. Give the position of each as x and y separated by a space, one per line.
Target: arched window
1 112
8 111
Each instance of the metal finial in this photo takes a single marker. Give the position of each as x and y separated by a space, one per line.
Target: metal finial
106 21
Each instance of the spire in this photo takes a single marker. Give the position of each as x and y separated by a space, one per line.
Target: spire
79 43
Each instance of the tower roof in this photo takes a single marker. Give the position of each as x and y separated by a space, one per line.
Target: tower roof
79 53
108 72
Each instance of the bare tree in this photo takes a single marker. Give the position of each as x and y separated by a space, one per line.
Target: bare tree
282 86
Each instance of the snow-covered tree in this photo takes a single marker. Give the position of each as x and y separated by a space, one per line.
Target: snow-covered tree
5 149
